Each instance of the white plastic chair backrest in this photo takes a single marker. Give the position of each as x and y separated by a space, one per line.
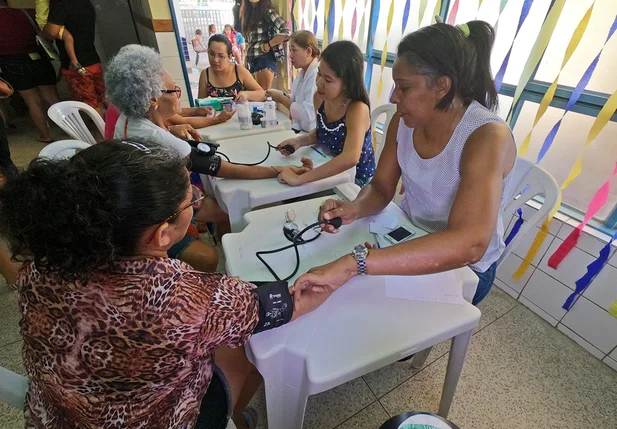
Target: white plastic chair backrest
389 110
66 115
13 388
535 181
62 149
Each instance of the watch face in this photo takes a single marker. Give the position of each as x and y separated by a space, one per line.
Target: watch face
360 251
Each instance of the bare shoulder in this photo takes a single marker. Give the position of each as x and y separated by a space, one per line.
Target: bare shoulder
491 143
359 111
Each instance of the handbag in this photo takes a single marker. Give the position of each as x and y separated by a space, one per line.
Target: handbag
49 50
279 50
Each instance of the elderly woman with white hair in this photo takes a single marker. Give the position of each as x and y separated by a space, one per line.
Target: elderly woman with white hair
147 96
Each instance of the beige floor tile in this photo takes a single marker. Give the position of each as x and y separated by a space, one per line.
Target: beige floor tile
11 418
10 357
520 373
371 417
9 327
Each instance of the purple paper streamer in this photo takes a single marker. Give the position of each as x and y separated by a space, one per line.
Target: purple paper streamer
315 26
516 228
580 87
593 270
405 16
504 65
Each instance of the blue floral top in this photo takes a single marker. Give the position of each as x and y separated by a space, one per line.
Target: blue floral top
332 136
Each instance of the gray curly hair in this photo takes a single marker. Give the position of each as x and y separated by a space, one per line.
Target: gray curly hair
133 79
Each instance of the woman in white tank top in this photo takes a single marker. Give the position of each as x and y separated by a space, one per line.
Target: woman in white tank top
453 154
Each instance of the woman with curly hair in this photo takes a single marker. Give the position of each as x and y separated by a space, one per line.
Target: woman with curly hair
264 31
115 333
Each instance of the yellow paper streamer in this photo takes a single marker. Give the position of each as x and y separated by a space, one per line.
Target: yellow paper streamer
296 13
613 309
537 50
423 4
326 23
384 52
604 116
437 11
550 93
342 20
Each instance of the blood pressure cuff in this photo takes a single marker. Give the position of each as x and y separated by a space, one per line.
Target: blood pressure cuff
204 163
275 305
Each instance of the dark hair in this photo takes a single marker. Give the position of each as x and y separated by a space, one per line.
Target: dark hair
221 38
71 216
198 31
305 39
254 14
444 50
231 27
347 61
211 26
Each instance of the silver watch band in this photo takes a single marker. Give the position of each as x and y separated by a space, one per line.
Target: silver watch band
361 263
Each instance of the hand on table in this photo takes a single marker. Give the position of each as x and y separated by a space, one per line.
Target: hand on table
290 177
241 97
204 111
185 131
307 165
336 208
293 142
276 94
226 114
324 279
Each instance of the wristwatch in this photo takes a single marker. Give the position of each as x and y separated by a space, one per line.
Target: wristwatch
360 252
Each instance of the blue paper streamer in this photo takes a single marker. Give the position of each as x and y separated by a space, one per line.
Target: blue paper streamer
315 20
593 270
504 65
516 228
580 87
371 41
405 16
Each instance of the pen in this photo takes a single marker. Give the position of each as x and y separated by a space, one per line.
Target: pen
377 240
318 151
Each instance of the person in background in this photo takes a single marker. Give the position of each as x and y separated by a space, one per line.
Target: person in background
264 31
241 45
79 18
343 118
198 45
42 13
237 18
211 30
304 55
146 95
109 321
235 50
454 154
25 68
224 79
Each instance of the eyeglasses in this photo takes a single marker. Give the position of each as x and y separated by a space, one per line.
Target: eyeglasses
196 203
176 90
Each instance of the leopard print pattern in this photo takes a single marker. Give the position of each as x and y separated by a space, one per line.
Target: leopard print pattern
131 348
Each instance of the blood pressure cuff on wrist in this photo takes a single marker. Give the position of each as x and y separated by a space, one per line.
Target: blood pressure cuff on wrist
275 305
204 163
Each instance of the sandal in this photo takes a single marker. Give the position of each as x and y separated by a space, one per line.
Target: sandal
250 417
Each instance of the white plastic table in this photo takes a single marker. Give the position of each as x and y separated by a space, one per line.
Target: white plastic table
356 331
238 197
231 129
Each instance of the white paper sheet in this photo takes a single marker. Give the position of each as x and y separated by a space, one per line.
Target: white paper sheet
442 287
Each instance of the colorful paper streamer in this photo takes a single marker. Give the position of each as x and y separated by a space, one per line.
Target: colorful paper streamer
516 228
342 21
421 11
453 12
504 65
371 42
537 50
550 93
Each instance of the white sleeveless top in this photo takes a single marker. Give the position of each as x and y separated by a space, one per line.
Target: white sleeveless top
431 184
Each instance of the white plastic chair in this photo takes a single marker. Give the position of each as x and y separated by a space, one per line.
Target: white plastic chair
13 389
535 181
62 149
389 110
66 115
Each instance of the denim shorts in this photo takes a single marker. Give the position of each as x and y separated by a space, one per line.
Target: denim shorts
262 62
485 284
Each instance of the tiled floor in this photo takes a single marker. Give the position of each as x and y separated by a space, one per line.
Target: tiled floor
520 373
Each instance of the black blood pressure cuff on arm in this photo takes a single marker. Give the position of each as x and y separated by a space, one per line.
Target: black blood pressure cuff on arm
275 305
204 163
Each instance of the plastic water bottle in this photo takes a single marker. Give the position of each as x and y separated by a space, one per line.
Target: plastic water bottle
244 115
270 112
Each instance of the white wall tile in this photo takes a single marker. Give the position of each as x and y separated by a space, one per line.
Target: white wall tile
543 314
613 260
592 323
589 241
610 362
508 267
580 341
603 289
555 224
523 247
507 289
614 355
167 44
571 268
547 293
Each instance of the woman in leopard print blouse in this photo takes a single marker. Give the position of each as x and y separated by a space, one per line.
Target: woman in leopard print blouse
116 334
